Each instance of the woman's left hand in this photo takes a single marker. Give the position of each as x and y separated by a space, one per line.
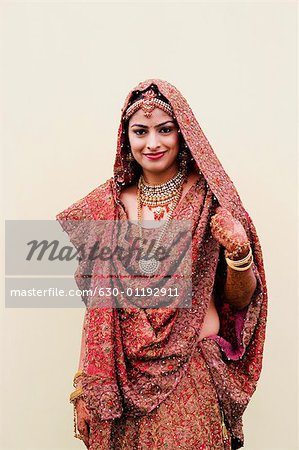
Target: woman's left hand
227 230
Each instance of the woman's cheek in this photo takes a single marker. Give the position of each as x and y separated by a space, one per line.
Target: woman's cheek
172 143
136 146
137 151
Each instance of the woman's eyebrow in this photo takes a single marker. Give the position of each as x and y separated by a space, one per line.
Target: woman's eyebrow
145 126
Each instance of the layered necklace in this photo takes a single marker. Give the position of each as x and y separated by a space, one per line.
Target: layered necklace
157 197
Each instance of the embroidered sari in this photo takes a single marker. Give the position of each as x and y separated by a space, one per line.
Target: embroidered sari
148 380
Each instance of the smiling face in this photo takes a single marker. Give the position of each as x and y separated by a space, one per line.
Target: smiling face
154 143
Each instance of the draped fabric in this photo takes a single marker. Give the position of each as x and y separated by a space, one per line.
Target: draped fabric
137 359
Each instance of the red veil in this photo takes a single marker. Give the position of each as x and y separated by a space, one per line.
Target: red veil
118 378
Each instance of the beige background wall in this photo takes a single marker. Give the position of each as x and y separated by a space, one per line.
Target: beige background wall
66 69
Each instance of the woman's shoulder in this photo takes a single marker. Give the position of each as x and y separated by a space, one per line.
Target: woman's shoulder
128 192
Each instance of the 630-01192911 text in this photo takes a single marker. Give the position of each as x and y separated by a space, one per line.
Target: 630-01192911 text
102 292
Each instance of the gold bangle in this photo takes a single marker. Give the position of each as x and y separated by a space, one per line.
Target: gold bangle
240 269
76 394
78 374
239 262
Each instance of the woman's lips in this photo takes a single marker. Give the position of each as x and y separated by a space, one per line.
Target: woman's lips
154 155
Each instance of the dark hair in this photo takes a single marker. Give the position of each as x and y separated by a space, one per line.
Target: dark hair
137 95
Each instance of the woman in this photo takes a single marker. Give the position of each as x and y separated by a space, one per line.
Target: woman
178 377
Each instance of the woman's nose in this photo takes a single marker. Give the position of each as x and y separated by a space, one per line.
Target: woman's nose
152 141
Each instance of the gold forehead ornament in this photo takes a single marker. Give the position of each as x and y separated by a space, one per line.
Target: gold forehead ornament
148 103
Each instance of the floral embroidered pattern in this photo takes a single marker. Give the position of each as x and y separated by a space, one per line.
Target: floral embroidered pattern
188 419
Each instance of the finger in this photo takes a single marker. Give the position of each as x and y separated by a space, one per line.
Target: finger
218 222
215 227
214 219
226 219
221 214
218 234
225 222
222 230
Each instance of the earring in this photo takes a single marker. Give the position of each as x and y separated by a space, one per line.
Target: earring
183 160
183 154
129 157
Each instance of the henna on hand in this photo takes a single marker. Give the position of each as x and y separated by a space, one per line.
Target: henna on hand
229 232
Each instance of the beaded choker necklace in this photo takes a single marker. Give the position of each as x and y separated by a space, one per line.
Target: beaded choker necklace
159 197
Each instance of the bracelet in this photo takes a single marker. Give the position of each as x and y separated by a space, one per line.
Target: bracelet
76 394
239 264
241 269
78 374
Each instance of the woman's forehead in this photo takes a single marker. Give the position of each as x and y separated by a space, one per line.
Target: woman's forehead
157 117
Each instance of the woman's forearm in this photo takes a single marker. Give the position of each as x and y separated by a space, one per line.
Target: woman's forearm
239 287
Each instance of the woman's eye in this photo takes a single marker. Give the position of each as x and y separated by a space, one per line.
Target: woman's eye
163 130
139 132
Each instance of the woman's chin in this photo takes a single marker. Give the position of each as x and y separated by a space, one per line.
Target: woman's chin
156 168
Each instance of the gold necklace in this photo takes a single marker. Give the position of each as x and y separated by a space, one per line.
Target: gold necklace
150 264
159 197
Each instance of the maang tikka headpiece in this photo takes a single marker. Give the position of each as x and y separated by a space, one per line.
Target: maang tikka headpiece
148 103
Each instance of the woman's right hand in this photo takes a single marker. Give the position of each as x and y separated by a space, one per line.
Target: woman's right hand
83 420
